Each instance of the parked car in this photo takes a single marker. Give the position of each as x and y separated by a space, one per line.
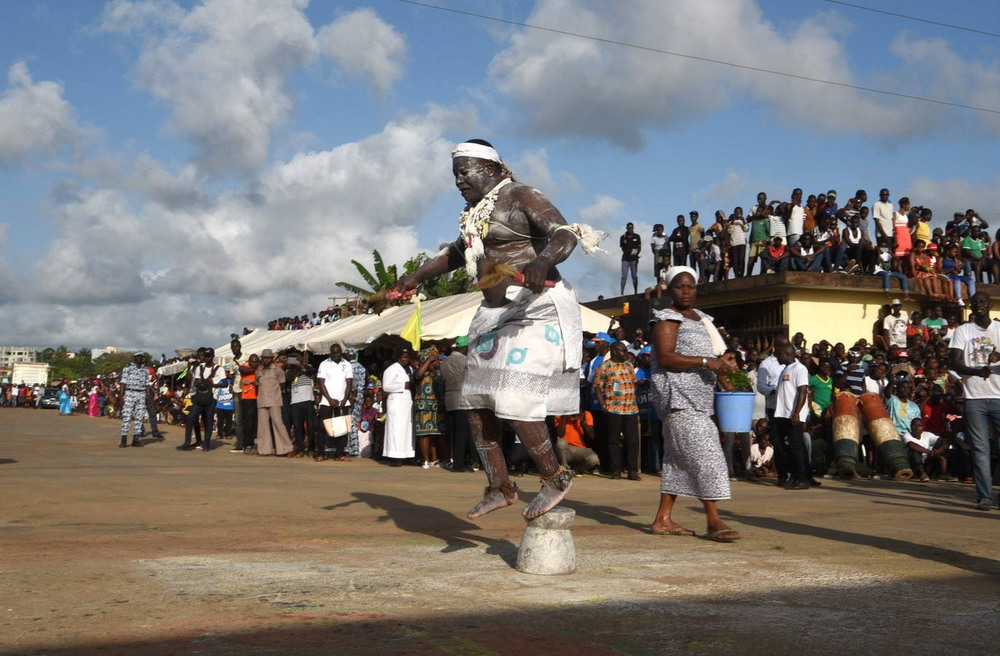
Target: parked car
50 398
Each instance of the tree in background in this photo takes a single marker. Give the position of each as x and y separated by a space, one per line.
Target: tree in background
382 279
456 282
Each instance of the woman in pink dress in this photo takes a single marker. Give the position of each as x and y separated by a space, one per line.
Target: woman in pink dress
93 407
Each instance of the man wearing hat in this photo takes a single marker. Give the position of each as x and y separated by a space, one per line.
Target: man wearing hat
134 380
270 382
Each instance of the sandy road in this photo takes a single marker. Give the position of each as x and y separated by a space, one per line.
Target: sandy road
154 551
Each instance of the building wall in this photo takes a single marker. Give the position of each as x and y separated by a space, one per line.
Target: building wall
11 354
843 316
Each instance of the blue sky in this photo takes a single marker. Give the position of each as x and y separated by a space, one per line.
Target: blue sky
171 171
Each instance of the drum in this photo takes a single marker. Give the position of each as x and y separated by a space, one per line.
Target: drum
886 437
846 434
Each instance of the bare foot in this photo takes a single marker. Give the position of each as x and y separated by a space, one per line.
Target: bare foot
553 491
494 499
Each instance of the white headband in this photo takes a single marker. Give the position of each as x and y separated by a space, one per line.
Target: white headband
675 271
478 151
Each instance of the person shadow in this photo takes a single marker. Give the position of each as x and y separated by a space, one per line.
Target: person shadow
437 523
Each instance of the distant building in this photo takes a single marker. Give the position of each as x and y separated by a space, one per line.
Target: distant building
11 354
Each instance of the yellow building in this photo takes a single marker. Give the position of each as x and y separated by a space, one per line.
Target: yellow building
831 306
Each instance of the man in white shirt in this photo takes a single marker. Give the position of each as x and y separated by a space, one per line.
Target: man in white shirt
795 217
882 212
335 380
790 413
658 244
768 374
895 325
206 377
926 450
973 356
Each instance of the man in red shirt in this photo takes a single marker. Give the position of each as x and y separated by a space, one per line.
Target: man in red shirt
775 256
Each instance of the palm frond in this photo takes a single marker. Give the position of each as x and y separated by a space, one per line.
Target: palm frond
366 275
380 271
354 289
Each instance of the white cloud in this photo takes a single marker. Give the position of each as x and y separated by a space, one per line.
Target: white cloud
946 197
222 68
97 257
533 169
732 190
362 44
156 258
603 209
567 85
35 118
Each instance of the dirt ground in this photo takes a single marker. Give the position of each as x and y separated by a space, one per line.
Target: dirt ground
155 551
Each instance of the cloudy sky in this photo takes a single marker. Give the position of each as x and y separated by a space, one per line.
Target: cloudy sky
172 171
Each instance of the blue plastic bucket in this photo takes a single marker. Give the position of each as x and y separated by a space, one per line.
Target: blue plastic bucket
734 411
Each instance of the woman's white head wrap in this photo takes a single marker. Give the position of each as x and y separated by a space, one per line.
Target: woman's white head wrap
479 151
675 271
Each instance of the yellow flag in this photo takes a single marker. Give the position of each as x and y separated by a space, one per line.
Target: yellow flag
412 331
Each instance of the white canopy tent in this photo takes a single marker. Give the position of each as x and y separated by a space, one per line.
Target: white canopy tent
441 318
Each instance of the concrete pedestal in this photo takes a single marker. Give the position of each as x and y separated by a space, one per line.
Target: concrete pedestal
547 545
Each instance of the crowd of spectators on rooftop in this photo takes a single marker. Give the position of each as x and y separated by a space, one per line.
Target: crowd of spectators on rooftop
891 240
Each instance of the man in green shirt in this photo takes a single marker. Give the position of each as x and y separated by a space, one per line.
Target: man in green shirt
760 233
973 248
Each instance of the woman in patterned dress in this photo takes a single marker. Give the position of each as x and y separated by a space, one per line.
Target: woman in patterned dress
684 375
426 409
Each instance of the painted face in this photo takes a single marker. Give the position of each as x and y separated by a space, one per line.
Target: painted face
474 177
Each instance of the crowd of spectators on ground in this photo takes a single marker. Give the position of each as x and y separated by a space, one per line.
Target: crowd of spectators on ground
295 404
891 240
616 433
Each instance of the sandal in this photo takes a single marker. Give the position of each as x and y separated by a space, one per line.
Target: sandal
722 535
677 530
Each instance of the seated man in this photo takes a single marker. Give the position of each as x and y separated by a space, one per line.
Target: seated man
775 257
806 255
927 452
573 433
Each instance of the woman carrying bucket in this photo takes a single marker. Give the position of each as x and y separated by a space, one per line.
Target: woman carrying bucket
685 371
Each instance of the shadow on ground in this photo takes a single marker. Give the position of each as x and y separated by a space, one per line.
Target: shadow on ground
433 522
838 620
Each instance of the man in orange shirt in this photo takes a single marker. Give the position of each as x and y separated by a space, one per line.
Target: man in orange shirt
573 433
614 386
